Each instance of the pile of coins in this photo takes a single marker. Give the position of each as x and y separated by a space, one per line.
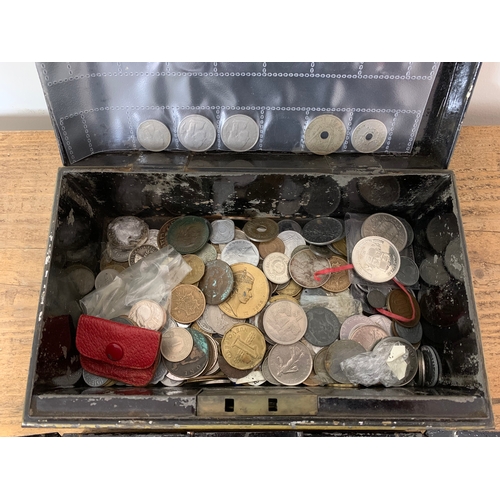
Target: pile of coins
241 315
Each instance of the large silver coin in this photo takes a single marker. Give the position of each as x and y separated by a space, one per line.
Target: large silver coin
325 134
369 136
240 133
196 133
291 239
386 226
219 321
127 232
105 277
302 267
353 322
375 259
222 231
153 135
290 364
275 267
266 373
408 362
285 322
240 251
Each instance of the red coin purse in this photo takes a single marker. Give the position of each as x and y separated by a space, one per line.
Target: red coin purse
116 351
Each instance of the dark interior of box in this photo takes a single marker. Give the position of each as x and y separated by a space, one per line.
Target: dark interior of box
90 198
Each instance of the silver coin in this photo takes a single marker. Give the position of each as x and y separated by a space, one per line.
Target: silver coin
240 133
117 254
81 277
139 253
219 321
207 253
325 134
239 234
302 267
240 251
386 226
170 382
148 314
338 352
410 359
375 259
176 344
275 267
409 232
160 372
290 364
408 274
196 133
222 231
291 239
368 335
266 373
285 322
433 272
127 232
105 277
153 238
94 380
289 225
383 321
369 136
153 135
353 322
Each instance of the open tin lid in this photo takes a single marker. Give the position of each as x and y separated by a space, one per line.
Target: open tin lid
403 115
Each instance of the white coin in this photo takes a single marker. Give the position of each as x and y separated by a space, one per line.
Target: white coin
240 133
239 251
196 133
369 136
292 240
222 231
325 134
375 259
153 135
105 277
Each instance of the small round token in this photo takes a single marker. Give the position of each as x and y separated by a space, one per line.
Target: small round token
323 327
375 259
148 314
188 234
290 364
222 231
369 136
187 303
217 282
386 226
239 252
275 267
336 353
339 281
324 134
240 133
376 299
261 229
323 230
196 133
285 322
127 232
243 346
197 269
139 253
176 344
105 277
408 273
302 267
272 246
433 272
153 135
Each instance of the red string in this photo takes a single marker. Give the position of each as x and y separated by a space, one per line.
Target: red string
385 312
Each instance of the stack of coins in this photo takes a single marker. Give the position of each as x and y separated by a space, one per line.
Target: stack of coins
236 317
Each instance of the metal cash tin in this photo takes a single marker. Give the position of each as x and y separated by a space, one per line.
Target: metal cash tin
96 108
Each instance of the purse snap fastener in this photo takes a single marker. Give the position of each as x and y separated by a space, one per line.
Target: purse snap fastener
114 352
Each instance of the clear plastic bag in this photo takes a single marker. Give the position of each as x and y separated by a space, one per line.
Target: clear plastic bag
152 277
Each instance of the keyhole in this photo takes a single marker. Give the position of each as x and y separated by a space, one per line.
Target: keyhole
369 137
324 135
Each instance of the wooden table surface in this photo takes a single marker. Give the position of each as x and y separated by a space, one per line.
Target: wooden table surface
29 163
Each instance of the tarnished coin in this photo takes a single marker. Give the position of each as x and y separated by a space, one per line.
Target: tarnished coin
105 277
267 373
275 267
432 363
213 356
217 282
139 253
176 344
375 259
196 133
340 246
336 353
240 133
261 229
323 230
321 251
250 292
243 346
369 136
153 238
399 303
285 322
441 230
368 335
163 231
187 303
383 321
320 369
292 240
386 226
410 235
290 364
412 335
197 269
117 254
300 248
231 371
289 225
160 372
127 232
240 251
239 234
153 135
433 272
148 314
454 259
272 246
302 267
207 253
188 234
217 320
408 274
81 277
337 282
196 361
379 191
324 134
323 327
376 298
291 289
353 322
222 231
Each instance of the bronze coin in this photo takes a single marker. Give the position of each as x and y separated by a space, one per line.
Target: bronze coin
243 346
217 282
188 234
337 282
187 303
162 233
341 246
368 335
276 245
261 229
197 360
197 269
399 303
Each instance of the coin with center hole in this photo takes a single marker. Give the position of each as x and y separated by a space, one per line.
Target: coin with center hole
324 134
261 229
153 135
369 136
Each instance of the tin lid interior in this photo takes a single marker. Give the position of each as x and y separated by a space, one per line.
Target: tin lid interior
405 114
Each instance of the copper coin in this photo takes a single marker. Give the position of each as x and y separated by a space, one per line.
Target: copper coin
399 303
187 303
197 269
196 361
261 229
188 234
341 246
217 282
272 246
368 335
243 346
162 233
291 289
337 282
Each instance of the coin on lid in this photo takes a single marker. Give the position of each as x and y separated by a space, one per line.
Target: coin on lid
187 303
369 136
275 267
240 251
196 361
340 281
217 282
196 133
240 133
386 226
188 234
323 327
153 135
323 230
285 322
139 253
176 344
148 314
325 134
261 229
375 259
250 292
243 346
222 231
302 267
127 232
197 269
290 364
